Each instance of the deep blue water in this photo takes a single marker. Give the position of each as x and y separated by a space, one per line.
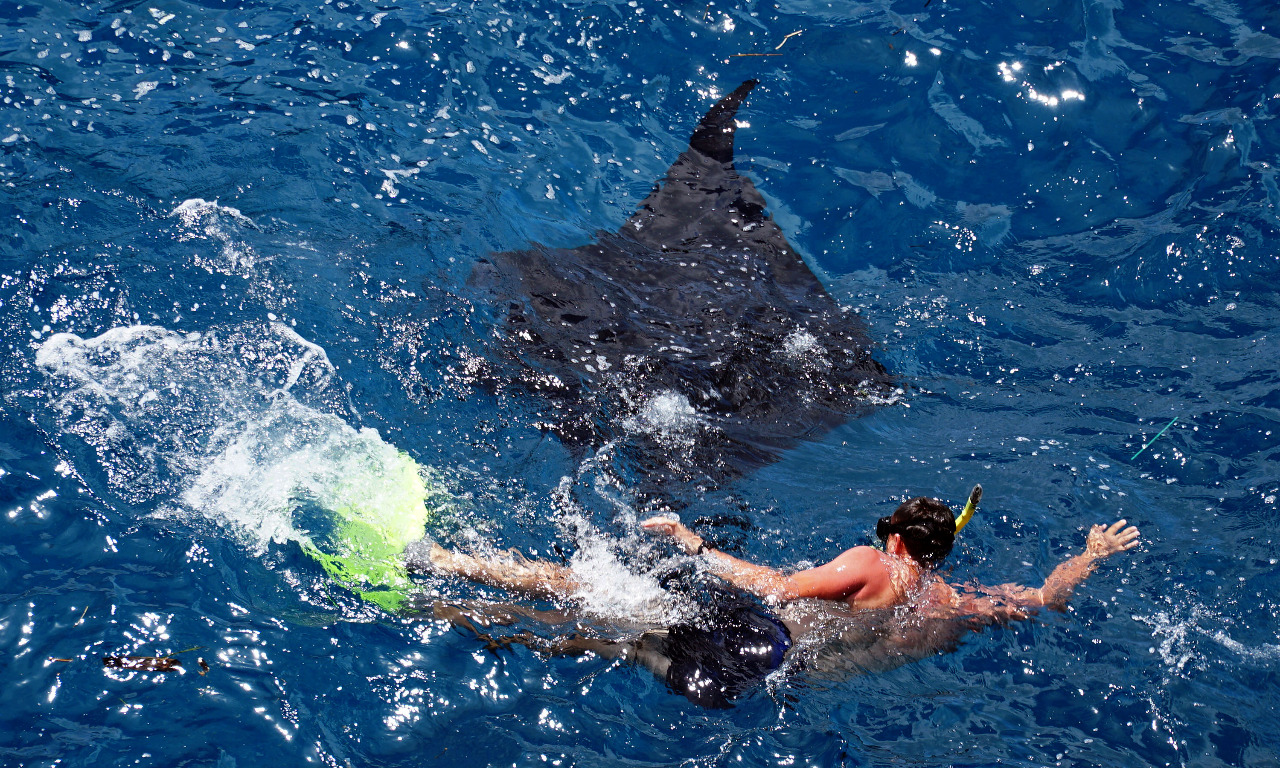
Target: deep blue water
1060 222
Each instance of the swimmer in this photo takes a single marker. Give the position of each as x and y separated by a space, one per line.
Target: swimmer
741 641
917 537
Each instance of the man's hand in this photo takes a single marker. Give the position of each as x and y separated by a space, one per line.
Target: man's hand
669 526
1104 542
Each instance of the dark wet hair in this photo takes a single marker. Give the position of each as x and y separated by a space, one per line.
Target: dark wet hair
927 528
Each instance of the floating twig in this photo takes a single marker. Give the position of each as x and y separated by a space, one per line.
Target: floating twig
82 615
788 37
777 47
64 661
1152 440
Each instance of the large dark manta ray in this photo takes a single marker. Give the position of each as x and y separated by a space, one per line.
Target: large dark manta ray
694 336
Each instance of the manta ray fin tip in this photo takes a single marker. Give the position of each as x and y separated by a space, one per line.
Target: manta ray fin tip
714 135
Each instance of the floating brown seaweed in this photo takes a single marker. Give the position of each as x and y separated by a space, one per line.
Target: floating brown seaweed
142 663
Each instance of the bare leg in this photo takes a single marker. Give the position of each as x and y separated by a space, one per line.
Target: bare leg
476 617
540 579
487 614
537 578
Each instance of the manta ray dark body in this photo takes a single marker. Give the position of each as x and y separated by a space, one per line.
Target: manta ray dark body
694 337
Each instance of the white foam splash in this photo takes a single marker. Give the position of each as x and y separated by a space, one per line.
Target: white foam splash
397 176
1180 634
201 219
612 590
259 483
1175 636
803 349
800 343
215 422
666 414
1264 652
548 78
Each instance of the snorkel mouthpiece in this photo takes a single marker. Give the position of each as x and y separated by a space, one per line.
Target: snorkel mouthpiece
969 508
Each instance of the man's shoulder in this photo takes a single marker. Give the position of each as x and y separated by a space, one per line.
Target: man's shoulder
868 561
863 555
850 573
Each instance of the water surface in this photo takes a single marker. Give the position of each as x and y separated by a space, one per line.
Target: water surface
257 222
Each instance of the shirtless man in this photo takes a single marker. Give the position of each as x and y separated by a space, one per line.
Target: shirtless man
740 643
917 537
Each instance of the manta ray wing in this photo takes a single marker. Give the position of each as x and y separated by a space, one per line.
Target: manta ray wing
696 332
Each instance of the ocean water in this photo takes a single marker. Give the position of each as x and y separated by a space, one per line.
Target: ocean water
235 241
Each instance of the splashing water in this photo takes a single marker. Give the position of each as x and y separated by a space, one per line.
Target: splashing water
667 415
1180 632
609 589
204 220
214 423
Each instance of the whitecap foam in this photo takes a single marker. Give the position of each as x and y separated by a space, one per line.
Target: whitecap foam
205 220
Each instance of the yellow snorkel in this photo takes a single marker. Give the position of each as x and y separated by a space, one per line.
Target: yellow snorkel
969 508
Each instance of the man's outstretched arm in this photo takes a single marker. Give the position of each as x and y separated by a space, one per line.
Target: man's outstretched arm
1009 601
758 579
854 570
1100 544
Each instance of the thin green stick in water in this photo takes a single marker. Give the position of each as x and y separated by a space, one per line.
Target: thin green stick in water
1152 440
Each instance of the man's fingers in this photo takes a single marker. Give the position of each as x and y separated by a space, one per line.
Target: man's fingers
1129 537
660 524
1116 526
